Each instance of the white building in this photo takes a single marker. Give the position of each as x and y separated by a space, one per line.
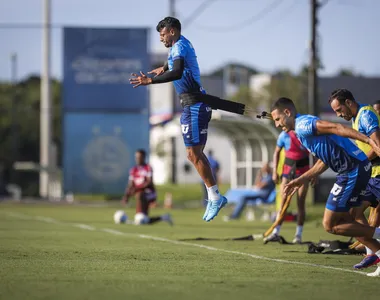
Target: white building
235 140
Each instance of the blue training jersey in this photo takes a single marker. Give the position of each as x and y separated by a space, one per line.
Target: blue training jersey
283 140
338 153
191 77
368 122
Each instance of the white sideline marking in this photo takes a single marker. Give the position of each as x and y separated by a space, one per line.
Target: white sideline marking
113 231
20 216
47 220
160 239
84 226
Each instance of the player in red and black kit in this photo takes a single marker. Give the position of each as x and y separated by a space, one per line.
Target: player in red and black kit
141 186
296 163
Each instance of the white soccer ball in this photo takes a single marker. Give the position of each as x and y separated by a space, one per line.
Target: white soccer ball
141 218
120 217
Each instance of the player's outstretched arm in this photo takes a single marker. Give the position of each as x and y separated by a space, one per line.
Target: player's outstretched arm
172 75
168 76
138 80
318 168
325 127
159 70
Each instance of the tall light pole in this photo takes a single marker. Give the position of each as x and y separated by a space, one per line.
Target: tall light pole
313 103
14 105
45 103
174 98
314 61
172 8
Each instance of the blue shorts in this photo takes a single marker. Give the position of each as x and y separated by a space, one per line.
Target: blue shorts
194 124
372 192
349 188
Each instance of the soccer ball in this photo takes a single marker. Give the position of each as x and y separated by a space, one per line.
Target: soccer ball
141 218
120 217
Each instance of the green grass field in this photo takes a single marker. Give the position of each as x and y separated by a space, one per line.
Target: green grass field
47 252
181 193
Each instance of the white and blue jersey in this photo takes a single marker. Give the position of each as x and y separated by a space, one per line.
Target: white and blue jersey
190 81
343 157
194 118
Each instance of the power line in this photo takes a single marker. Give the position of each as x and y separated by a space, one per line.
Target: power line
284 14
201 8
186 22
268 9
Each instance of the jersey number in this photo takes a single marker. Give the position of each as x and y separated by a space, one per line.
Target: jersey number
336 190
185 128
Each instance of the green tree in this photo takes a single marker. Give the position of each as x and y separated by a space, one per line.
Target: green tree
286 84
244 95
282 84
347 72
20 126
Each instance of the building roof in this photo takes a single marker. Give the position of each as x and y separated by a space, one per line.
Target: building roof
364 89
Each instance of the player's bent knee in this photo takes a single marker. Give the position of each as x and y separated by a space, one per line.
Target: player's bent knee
328 227
358 213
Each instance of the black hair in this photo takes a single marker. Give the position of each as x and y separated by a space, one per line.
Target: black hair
141 151
283 103
341 95
169 22
377 102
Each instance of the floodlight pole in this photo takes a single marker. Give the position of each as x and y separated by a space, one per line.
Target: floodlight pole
313 103
45 103
313 68
14 105
174 98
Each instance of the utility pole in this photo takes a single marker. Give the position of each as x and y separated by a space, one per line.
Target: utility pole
45 103
314 62
313 103
174 99
173 93
172 8
14 105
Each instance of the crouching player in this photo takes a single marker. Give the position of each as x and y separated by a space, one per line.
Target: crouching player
331 144
365 120
141 186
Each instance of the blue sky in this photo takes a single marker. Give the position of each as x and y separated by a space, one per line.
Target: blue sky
349 31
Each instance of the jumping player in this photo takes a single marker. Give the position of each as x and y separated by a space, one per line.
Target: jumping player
182 69
140 185
331 144
366 121
297 162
